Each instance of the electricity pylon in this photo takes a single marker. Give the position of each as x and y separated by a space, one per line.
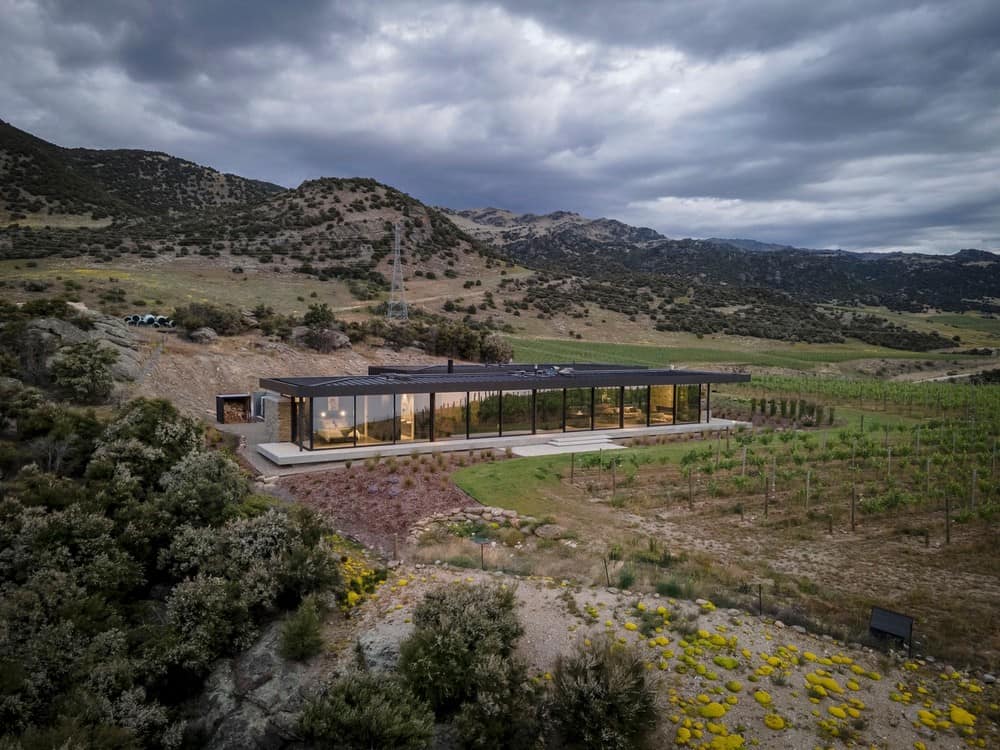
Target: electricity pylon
396 309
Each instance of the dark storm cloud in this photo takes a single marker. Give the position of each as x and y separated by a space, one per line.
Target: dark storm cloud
852 124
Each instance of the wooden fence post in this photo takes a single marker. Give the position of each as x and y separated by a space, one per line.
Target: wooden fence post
854 499
947 518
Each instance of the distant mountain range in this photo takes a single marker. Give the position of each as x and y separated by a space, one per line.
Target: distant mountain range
968 279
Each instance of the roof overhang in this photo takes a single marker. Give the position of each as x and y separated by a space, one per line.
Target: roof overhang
504 380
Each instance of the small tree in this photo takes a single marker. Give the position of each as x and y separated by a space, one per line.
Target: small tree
82 372
495 348
300 634
319 317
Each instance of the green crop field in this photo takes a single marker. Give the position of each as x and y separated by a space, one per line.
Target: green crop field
970 322
794 356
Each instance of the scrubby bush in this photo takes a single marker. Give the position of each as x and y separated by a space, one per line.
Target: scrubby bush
146 437
456 627
505 711
118 595
300 633
204 485
495 348
602 697
82 372
226 321
363 710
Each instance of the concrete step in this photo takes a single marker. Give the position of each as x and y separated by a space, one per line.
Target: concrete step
574 439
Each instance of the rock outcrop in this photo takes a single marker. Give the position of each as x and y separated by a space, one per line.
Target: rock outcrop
253 700
55 334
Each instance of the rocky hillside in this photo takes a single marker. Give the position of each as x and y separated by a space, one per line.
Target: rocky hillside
42 182
967 280
498 226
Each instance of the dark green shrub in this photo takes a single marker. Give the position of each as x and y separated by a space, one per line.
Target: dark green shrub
226 321
82 372
364 710
300 634
626 577
602 698
505 711
456 626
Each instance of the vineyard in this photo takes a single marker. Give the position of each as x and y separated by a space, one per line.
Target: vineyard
893 504
941 398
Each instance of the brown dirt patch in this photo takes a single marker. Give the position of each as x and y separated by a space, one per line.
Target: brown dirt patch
377 504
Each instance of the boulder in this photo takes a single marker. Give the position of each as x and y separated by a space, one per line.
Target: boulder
325 340
550 531
203 335
253 699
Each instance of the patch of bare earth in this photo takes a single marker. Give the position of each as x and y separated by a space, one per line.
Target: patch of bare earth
190 375
377 504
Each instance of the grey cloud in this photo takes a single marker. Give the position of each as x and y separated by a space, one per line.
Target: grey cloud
806 123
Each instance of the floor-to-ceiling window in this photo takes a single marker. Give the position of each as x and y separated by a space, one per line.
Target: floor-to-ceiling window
689 403
516 408
376 419
484 413
449 415
333 422
578 408
661 404
549 411
413 411
607 407
634 405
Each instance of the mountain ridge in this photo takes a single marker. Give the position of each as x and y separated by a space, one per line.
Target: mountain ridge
41 180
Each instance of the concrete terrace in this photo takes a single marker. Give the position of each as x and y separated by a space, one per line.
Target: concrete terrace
289 454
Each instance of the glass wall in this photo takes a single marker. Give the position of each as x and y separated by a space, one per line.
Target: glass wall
607 408
689 403
634 405
661 405
548 411
484 413
413 411
376 417
516 407
345 421
333 422
578 406
449 415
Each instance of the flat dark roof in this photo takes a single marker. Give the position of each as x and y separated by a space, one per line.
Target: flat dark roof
492 378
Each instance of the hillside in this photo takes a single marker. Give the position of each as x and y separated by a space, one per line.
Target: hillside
172 232
498 226
42 183
967 280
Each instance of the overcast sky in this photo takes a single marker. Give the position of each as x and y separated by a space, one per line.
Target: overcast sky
862 124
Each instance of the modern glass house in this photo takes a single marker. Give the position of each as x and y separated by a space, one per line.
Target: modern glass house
450 402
